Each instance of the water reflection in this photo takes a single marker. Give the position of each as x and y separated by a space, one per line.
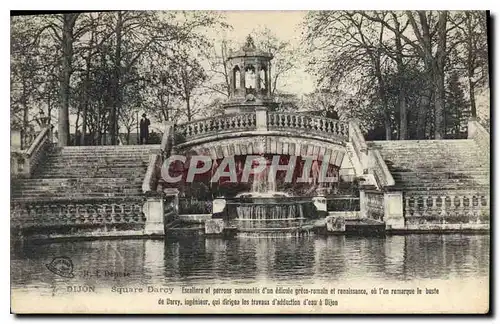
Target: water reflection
246 259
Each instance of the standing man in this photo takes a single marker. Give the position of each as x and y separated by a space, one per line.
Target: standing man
144 129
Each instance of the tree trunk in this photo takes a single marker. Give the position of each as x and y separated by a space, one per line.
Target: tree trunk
403 117
439 130
383 100
113 123
470 63
439 101
422 113
66 71
472 98
188 108
86 86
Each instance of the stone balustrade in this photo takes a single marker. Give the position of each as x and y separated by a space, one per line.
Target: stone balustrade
216 125
467 207
150 182
479 134
69 213
24 162
299 122
358 142
373 205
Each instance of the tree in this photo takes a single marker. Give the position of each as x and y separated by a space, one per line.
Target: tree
346 47
474 51
218 70
284 60
187 76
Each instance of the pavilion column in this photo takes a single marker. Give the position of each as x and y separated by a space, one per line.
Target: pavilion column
242 78
257 78
269 83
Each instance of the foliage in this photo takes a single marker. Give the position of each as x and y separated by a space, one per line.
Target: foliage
398 67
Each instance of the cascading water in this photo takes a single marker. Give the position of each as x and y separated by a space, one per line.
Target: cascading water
266 209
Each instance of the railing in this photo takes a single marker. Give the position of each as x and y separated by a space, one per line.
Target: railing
194 206
153 172
93 212
216 125
480 135
379 169
422 208
342 204
374 204
150 181
370 159
297 122
24 162
359 144
167 139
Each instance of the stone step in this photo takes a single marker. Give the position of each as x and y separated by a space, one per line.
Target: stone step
89 198
100 154
439 188
72 187
87 164
427 143
458 173
58 181
101 174
438 176
422 156
402 169
37 196
98 158
109 148
440 157
62 193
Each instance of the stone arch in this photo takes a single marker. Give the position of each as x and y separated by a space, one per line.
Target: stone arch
263 78
250 77
236 77
256 145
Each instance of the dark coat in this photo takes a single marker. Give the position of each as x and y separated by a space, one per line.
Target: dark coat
145 127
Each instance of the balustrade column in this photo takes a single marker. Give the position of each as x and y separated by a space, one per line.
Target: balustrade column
434 205
443 206
261 118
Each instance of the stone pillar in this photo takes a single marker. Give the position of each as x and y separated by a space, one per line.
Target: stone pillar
362 204
335 224
153 209
257 79
261 118
218 206
214 226
242 78
171 204
269 83
471 127
393 210
321 207
15 139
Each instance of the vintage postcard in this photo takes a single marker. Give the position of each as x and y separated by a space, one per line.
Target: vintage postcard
180 162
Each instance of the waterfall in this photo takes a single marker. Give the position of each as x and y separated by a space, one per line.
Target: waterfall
264 203
263 184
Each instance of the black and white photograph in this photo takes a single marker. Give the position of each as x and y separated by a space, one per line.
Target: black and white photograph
250 162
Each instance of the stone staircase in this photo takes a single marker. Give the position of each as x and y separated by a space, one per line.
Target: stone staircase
436 165
86 172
